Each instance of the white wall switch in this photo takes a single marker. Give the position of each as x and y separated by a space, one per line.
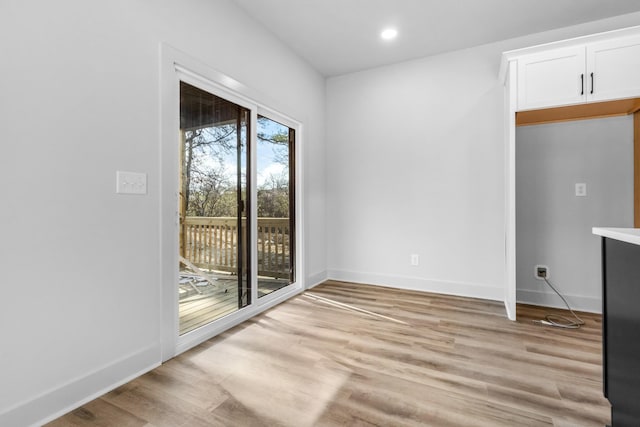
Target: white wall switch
415 259
131 182
581 189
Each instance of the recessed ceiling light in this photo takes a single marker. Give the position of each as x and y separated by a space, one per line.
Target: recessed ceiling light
389 34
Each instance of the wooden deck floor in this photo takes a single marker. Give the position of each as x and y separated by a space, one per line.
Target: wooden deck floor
200 305
198 310
346 354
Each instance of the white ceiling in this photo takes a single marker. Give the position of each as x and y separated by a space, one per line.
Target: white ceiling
341 36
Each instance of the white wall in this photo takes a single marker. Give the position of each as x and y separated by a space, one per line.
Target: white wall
416 166
79 99
553 226
79 265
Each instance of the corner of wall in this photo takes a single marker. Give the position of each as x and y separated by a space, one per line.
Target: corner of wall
314 280
470 290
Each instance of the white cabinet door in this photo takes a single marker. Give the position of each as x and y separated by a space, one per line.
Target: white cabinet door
553 78
615 65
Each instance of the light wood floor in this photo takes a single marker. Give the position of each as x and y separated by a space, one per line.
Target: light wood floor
346 354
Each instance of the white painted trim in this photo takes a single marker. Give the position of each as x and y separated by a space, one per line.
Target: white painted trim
315 279
550 299
511 102
301 253
168 249
46 406
472 290
294 288
212 86
176 66
512 55
511 315
280 118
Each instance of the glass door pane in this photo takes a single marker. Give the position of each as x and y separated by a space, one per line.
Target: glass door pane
213 208
276 205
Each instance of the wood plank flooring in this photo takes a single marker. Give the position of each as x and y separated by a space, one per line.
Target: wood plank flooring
348 354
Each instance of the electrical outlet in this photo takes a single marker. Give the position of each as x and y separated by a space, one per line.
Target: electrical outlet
581 189
415 259
542 272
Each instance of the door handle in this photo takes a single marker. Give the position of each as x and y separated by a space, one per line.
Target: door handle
582 84
591 83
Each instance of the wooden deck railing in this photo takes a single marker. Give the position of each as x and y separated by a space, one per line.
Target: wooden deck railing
273 247
211 243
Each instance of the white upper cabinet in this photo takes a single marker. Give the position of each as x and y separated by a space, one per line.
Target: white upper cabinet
602 70
615 65
555 77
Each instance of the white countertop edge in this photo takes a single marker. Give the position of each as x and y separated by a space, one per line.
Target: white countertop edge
629 235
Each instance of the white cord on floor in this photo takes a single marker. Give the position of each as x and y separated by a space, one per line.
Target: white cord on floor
557 320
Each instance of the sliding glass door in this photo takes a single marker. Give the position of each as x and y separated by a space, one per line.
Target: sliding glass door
230 216
276 205
214 267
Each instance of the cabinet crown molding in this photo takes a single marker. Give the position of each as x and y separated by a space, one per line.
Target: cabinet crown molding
514 54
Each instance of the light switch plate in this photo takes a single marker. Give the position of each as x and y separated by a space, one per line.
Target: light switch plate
581 189
131 182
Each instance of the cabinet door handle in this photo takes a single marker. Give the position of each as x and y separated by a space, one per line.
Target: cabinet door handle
592 83
581 84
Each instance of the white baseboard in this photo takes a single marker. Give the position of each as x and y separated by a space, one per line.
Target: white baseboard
550 299
510 315
315 279
56 402
473 290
